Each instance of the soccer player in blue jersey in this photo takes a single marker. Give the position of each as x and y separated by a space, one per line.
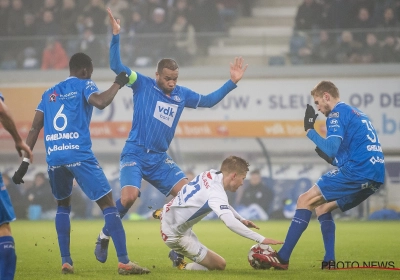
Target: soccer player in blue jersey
352 145
8 259
65 111
158 105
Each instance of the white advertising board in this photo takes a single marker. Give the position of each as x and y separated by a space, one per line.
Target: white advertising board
281 100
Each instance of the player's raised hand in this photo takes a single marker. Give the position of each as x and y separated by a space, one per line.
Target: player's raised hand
309 117
237 69
115 23
250 224
269 241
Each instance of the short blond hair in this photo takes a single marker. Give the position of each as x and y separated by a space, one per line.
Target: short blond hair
325 86
235 164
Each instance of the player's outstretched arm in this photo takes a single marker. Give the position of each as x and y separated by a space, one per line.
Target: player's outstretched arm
237 69
115 23
249 224
114 55
269 241
239 228
102 100
8 123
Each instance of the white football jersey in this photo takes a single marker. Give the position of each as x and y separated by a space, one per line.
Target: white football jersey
205 193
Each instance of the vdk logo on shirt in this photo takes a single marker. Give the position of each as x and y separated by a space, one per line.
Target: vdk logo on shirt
165 112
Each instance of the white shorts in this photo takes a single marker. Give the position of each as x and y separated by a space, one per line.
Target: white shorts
186 244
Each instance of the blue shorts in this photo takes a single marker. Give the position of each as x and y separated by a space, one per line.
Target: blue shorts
6 209
88 174
347 191
156 168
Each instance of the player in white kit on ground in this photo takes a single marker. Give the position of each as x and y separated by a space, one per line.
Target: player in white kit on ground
205 193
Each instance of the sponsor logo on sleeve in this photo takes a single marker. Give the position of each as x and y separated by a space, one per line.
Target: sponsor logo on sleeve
222 207
334 123
91 85
169 161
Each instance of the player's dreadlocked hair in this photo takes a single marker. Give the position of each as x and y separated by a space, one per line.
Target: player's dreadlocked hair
79 61
325 86
235 164
167 63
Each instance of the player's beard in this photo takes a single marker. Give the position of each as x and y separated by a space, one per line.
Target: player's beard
327 110
167 91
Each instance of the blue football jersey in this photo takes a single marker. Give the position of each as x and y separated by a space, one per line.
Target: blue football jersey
156 115
67 115
360 151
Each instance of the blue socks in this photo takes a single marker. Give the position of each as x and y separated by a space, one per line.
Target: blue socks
8 259
63 228
121 208
328 235
117 232
122 212
297 227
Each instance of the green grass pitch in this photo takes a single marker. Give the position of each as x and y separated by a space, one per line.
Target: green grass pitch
38 254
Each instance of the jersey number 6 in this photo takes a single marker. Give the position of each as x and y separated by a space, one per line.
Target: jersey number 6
60 115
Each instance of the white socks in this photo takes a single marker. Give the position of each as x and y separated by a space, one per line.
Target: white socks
195 266
103 236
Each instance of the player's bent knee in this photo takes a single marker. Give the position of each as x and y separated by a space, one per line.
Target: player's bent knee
302 201
219 265
128 195
5 230
222 265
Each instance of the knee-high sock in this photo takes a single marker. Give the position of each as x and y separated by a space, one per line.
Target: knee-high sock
297 227
122 212
114 225
63 228
328 235
8 259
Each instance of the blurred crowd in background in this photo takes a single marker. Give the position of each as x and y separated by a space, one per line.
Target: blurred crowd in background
346 31
45 33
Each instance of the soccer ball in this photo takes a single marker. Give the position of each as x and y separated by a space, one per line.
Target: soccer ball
259 249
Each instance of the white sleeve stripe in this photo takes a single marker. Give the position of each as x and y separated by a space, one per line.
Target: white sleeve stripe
335 136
